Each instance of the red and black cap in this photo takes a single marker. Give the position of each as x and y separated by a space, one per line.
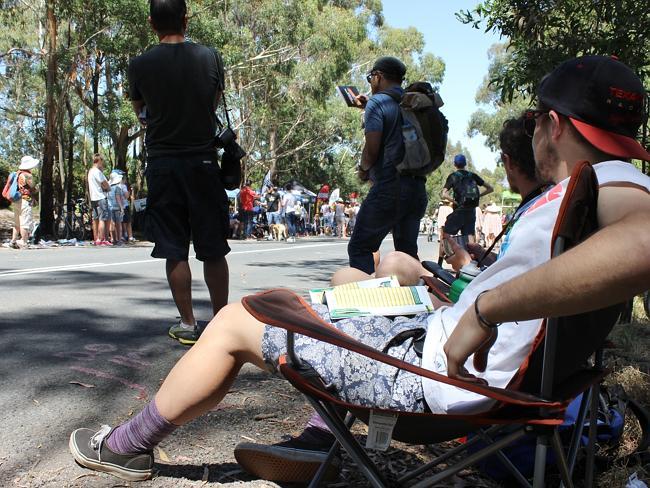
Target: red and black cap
604 100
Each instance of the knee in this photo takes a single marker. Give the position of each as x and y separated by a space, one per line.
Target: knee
407 269
224 324
236 331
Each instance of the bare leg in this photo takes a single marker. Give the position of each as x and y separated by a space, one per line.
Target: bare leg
348 275
15 230
216 276
203 376
95 232
101 230
406 268
179 277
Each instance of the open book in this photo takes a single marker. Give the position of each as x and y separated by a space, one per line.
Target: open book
381 296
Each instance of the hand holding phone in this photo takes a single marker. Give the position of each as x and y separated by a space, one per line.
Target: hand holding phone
361 101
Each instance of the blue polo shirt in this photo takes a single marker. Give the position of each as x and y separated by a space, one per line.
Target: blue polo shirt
383 115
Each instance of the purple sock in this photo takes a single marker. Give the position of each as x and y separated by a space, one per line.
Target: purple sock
316 421
141 433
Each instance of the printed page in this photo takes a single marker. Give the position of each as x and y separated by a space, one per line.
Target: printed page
356 302
317 295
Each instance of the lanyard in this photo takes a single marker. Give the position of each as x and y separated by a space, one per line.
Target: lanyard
525 203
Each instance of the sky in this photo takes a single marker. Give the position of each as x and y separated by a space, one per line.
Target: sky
464 51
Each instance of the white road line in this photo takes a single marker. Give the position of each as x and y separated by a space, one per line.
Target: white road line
51 269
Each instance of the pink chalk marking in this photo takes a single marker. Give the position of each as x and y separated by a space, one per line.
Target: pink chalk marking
130 362
78 355
99 348
102 374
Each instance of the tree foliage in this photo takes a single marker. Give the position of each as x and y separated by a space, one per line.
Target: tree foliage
542 34
64 89
493 110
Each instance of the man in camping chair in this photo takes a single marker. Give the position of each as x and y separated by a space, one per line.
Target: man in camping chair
590 108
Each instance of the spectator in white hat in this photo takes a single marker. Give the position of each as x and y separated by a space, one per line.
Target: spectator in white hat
23 213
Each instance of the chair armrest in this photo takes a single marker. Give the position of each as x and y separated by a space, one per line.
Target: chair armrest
438 271
283 308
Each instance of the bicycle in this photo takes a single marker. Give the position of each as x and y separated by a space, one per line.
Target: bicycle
72 221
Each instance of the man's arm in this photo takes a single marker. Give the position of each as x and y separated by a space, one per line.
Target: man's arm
371 150
137 105
446 189
608 268
488 189
103 182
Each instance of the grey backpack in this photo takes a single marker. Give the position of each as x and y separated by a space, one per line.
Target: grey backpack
424 129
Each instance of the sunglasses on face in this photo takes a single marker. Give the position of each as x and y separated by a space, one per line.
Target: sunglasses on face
530 120
370 75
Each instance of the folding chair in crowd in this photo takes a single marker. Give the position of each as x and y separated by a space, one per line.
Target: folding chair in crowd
565 360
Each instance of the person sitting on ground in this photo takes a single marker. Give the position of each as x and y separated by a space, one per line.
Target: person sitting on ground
571 124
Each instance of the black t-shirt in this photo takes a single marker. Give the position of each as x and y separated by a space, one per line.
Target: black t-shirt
273 201
454 182
178 84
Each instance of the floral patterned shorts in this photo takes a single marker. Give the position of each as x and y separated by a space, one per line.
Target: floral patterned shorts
356 378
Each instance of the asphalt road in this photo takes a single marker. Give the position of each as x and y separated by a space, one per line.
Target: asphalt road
84 337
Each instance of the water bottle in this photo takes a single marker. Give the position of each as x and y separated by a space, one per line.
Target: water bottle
409 133
467 274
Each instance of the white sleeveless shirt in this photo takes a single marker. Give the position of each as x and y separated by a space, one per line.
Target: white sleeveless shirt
529 245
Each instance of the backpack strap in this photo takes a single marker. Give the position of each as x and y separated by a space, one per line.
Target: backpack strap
392 94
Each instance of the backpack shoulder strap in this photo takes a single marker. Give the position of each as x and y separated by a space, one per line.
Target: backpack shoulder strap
392 94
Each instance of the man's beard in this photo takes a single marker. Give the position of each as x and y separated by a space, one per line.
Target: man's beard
546 162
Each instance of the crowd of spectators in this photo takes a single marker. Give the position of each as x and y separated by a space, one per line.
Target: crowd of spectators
285 213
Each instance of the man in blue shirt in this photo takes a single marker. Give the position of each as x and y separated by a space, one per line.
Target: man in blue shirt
395 202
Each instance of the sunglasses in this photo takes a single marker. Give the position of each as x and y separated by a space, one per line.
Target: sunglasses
370 75
530 120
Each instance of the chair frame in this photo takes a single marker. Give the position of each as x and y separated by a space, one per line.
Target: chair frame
537 415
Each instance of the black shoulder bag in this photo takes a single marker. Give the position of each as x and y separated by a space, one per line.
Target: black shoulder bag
232 152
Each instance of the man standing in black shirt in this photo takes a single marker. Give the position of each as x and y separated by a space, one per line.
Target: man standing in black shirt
175 87
274 206
465 186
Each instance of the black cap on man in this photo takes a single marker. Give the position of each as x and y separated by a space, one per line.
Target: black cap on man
392 68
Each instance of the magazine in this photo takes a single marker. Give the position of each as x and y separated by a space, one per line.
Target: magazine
317 295
387 301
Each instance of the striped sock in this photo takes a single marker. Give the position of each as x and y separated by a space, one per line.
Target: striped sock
317 422
141 433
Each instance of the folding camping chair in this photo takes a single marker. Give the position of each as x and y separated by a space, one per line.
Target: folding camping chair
557 369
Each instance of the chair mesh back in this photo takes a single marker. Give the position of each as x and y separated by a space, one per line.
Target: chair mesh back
578 335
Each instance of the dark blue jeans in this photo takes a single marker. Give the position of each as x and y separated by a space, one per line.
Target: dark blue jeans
291 224
248 222
388 208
